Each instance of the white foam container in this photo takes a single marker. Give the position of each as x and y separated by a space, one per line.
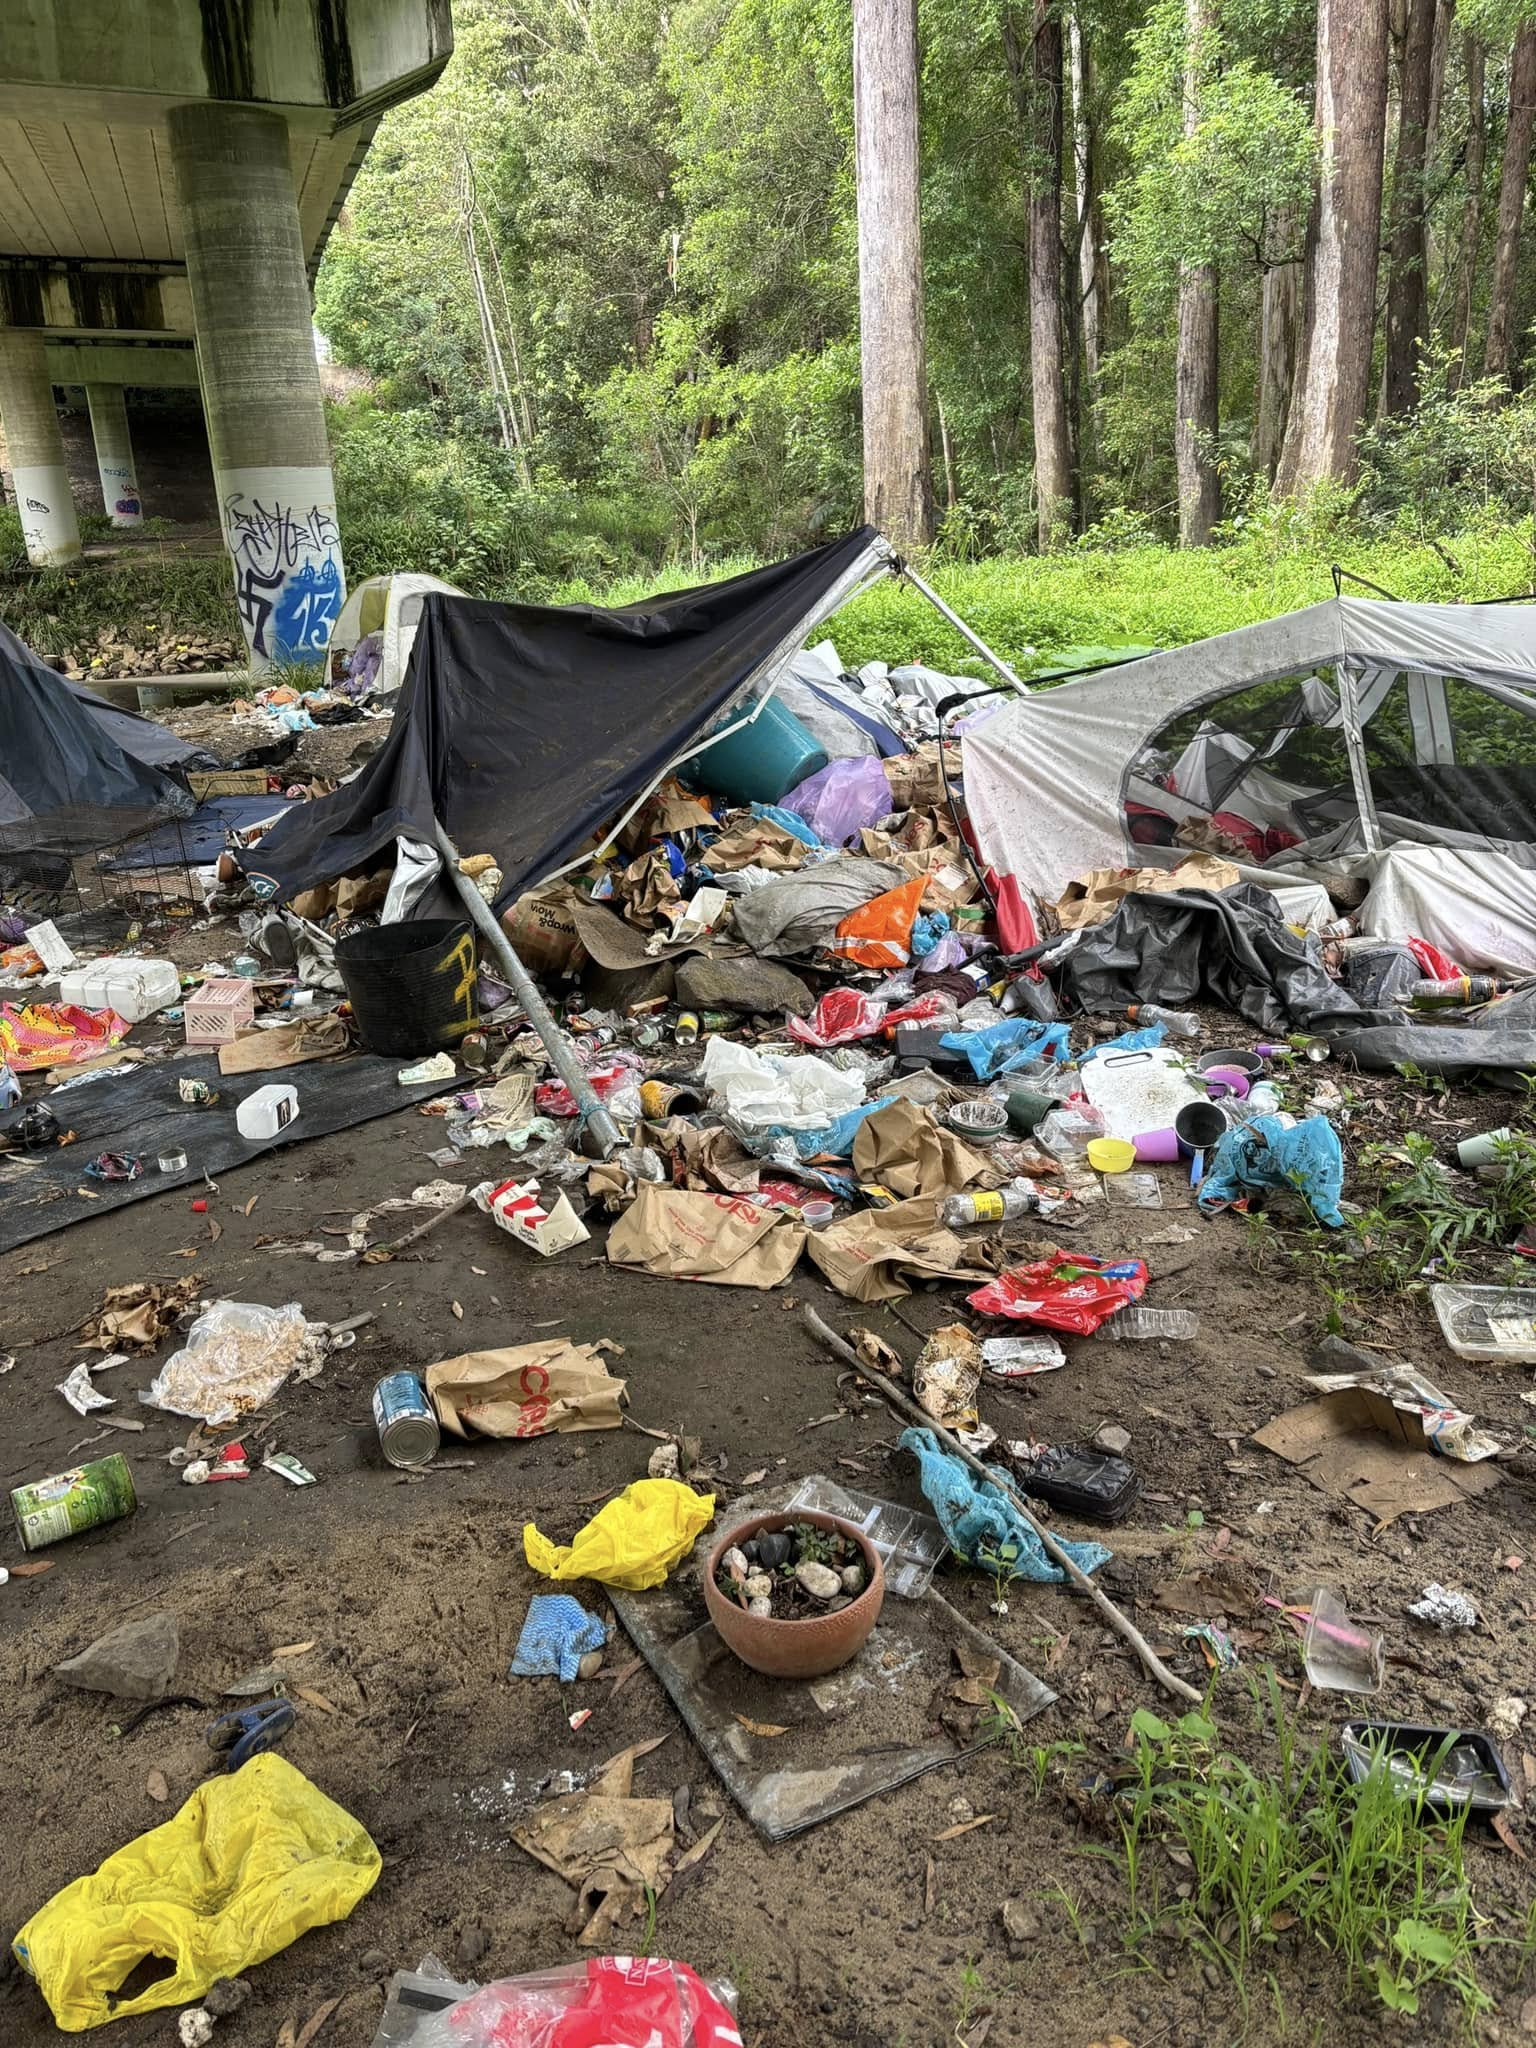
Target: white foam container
136 989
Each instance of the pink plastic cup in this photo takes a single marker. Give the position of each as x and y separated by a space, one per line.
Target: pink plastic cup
1157 1147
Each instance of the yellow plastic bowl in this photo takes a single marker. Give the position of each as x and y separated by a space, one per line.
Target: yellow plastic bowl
1111 1155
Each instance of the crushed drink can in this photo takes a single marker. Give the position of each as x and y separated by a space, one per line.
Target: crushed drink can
68 1503
405 1420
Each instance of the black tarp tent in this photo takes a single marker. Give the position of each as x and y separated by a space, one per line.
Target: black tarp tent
523 729
73 780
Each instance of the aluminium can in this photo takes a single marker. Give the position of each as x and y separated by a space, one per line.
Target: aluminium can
404 1419
69 1503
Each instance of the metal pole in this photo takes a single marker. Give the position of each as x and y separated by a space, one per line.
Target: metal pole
604 1132
962 628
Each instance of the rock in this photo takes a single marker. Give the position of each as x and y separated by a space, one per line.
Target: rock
742 984
819 1580
136 1661
1110 1437
372 1963
194 2027
590 1665
761 1606
852 1576
735 1563
474 1943
758 1586
663 1463
1020 1922
960 1810
1443 1607
773 1548
226 1997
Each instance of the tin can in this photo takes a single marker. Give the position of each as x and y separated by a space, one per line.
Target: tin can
404 1419
71 1502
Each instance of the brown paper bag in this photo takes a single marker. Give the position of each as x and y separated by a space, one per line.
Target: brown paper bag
720 1238
1093 897
759 843
526 1390
905 1148
866 1255
287 1045
542 929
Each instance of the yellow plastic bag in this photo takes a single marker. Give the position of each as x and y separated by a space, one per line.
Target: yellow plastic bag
633 1542
251 1862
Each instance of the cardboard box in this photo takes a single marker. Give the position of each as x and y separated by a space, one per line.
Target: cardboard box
219 1012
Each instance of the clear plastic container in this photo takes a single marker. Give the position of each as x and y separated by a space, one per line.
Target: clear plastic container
1340 1655
1488 1322
910 1544
1066 1132
1135 1324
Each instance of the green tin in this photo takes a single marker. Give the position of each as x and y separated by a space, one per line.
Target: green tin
71 1502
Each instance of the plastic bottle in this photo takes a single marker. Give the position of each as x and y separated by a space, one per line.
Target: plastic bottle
1177 1023
686 1031
1134 1324
1461 988
956 1211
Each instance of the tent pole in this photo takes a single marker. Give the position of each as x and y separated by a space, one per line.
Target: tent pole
965 632
605 1133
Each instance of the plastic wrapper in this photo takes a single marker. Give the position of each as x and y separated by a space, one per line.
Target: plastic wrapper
791 1094
237 1355
605 2002
1273 1152
1005 1048
838 801
1072 1292
879 935
252 1861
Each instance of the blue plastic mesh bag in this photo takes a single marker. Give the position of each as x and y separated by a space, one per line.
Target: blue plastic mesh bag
982 1524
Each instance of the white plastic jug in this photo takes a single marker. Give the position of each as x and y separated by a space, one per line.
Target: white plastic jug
264 1114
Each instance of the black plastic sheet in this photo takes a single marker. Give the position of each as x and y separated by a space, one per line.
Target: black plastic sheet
1228 946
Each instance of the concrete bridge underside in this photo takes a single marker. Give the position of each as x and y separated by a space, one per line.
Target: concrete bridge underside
169 173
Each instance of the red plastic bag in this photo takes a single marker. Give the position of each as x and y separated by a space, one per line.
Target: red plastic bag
1016 930
879 934
606 2002
842 1014
1434 963
1066 1291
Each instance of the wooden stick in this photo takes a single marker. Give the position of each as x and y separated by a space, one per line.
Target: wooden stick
899 1399
438 1216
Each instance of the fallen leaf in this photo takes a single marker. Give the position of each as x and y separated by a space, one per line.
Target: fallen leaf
979 2031
1513 1564
250 1205
1507 1836
478 1269
970 1692
1528 2016
33 1570
294 1649
1280 1923
156 1786
964 1827
215 1230
756 1478
930 1887
187 1251
454 1309
315 2022
700 1849
315 1699
976 1664
760 1727
820 1422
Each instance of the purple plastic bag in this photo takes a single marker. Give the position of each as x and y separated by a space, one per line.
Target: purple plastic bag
838 801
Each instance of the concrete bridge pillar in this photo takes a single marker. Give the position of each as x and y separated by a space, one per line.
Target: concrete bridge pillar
261 384
36 449
114 454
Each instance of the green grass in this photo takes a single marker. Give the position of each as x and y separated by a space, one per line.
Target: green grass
1228 1859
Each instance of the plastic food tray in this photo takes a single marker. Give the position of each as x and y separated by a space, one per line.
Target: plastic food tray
1469 1317
910 1544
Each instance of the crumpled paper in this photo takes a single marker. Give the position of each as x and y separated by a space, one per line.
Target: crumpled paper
869 1255
136 1316
903 1147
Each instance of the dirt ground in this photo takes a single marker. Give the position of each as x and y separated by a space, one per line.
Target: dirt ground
866 1930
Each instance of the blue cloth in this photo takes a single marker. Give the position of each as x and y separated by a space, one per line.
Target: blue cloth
1307 1158
983 1526
1128 1041
927 932
1016 1042
787 821
557 1633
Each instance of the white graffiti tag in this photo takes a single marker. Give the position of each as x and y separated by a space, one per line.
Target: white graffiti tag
287 575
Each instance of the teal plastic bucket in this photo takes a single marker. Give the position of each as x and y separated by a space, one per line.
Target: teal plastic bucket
760 763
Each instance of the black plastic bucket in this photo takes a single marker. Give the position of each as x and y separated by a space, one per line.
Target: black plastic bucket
411 985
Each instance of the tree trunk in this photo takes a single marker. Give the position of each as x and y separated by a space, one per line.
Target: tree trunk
1277 355
1339 293
898 479
1499 355
1195 419
1037 84
1407 290
1082 190
1472 210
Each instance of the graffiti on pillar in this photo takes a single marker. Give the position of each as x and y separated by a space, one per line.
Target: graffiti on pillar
119 491
288 582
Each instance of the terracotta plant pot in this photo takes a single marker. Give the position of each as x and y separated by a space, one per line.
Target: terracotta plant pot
807 1648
